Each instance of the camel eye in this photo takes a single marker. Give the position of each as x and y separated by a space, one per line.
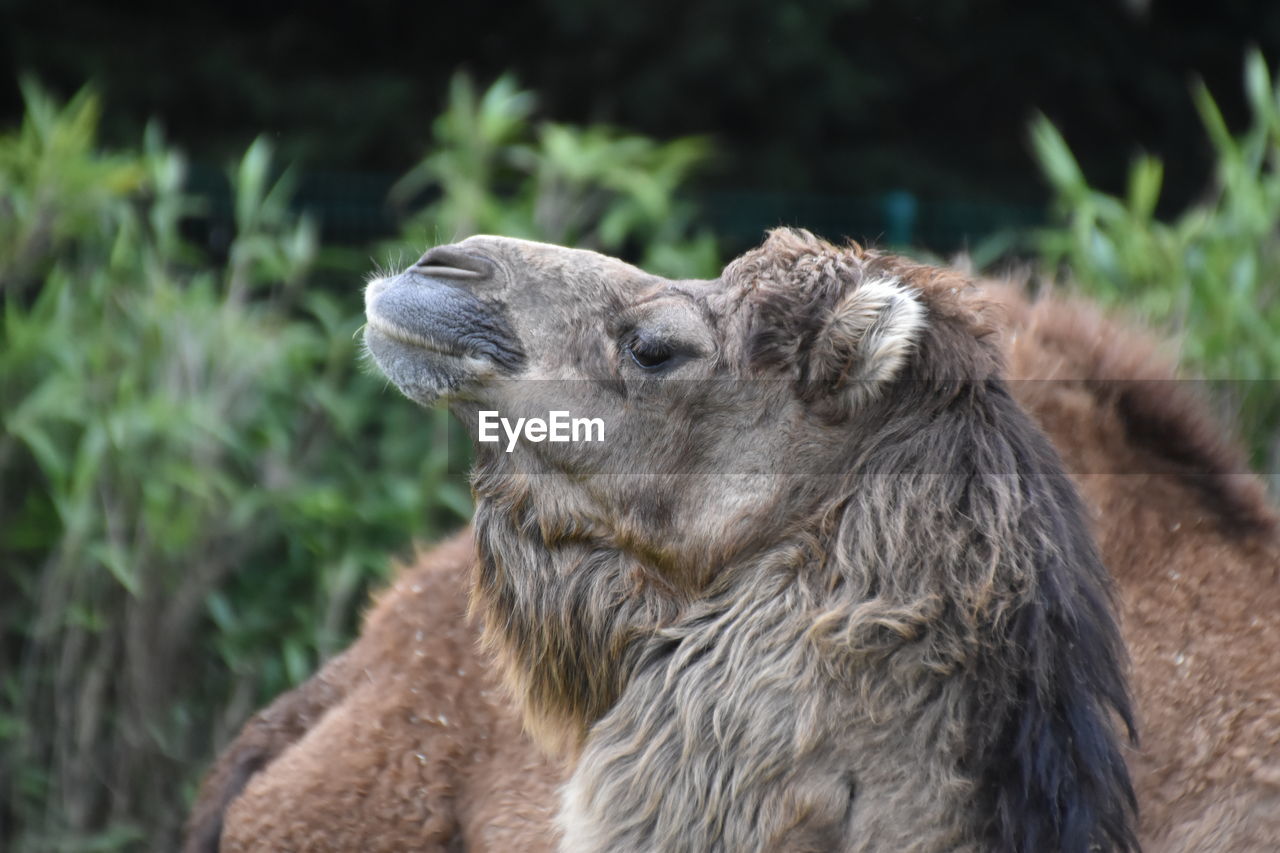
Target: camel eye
650 353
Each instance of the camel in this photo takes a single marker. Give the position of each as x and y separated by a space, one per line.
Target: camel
1160 468
438 757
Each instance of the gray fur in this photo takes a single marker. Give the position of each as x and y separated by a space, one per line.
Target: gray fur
845 599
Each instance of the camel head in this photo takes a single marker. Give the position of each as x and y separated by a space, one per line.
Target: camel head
816 546
721 402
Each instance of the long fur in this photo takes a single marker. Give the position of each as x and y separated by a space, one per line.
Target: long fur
925 660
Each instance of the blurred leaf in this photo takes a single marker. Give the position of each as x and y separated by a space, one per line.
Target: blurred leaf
1144 187
1214 124
1055 158
117 562
1212 274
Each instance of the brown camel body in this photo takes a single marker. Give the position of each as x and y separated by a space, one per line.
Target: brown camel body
405 742
433 757
1192 543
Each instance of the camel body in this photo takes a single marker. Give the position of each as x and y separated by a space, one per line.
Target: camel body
407 740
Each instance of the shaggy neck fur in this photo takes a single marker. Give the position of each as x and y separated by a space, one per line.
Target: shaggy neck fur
929 666
924 661
564 610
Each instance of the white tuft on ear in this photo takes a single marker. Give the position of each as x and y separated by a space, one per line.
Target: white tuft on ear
868 337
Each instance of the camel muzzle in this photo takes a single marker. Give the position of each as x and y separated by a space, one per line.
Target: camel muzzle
431 335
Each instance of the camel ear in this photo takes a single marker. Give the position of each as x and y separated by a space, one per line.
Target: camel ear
866 340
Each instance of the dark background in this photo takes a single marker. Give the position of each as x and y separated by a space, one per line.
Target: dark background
806 102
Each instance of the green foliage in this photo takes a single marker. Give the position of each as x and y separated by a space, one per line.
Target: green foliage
1213 273
53 185
497 172
199 481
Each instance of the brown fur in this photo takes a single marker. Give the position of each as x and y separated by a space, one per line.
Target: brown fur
1193 545
404 742
1187 535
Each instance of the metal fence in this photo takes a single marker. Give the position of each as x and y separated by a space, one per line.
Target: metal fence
352 208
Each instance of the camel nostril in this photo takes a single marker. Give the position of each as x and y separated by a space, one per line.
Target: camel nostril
449 262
